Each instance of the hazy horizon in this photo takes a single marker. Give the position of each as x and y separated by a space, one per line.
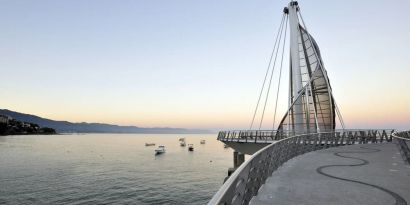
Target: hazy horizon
195 65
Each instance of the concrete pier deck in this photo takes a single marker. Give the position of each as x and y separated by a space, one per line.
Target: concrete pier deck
355 174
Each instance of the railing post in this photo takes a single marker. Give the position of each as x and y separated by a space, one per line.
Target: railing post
384 134
390 136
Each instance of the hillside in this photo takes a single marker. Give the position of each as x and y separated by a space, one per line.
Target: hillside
83 127
14 127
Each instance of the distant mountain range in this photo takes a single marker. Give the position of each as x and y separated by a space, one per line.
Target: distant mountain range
83 127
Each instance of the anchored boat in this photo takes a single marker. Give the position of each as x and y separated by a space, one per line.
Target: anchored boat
182 142
160 150
149 144
190 147
202 142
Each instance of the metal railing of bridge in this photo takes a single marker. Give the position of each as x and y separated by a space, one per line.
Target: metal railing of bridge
245 182
264 136
402 139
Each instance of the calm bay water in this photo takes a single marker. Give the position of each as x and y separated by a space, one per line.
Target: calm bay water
110 169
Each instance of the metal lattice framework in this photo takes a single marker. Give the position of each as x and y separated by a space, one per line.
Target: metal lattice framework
312 107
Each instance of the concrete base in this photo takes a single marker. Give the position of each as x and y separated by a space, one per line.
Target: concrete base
375 174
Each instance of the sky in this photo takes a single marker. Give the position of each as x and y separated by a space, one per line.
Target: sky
195 64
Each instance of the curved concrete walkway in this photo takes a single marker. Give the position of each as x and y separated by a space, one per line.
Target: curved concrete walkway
356 174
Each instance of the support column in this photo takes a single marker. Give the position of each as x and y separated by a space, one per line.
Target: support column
297 110
238 159
235 159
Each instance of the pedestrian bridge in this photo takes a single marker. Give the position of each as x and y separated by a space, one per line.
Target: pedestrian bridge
256 181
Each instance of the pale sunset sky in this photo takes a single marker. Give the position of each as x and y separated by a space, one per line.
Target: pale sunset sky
195 64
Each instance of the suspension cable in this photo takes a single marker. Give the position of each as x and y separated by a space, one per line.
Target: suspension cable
280 73
271 77
339 115
267 71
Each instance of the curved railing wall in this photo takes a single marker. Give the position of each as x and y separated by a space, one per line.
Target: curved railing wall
264 136
245 182
402 139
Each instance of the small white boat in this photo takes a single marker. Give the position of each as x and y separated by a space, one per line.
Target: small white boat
149 144
182 143
182 139
160 150
226 146
202 141
190 147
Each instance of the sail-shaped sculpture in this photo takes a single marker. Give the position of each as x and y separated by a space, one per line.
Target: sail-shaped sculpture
311 105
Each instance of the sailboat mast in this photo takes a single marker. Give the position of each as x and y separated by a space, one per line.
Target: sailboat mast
295 67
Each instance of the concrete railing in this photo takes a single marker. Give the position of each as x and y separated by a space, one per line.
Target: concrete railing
263 136
402 139
245 182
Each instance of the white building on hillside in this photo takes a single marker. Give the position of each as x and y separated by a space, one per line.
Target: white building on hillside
4 119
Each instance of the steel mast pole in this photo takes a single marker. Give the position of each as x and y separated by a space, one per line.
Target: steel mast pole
295 67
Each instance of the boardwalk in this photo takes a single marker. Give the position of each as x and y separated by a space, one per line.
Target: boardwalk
356 174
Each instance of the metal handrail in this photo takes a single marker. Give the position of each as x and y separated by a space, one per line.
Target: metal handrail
245 182
263 136
402 139
404 135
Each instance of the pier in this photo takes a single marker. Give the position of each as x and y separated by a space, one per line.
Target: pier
382 165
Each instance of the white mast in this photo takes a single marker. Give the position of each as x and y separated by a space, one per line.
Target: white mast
295 66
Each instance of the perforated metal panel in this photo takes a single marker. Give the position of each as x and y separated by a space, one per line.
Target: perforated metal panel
315 96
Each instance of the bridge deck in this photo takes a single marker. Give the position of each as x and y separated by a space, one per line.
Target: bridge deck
378 176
